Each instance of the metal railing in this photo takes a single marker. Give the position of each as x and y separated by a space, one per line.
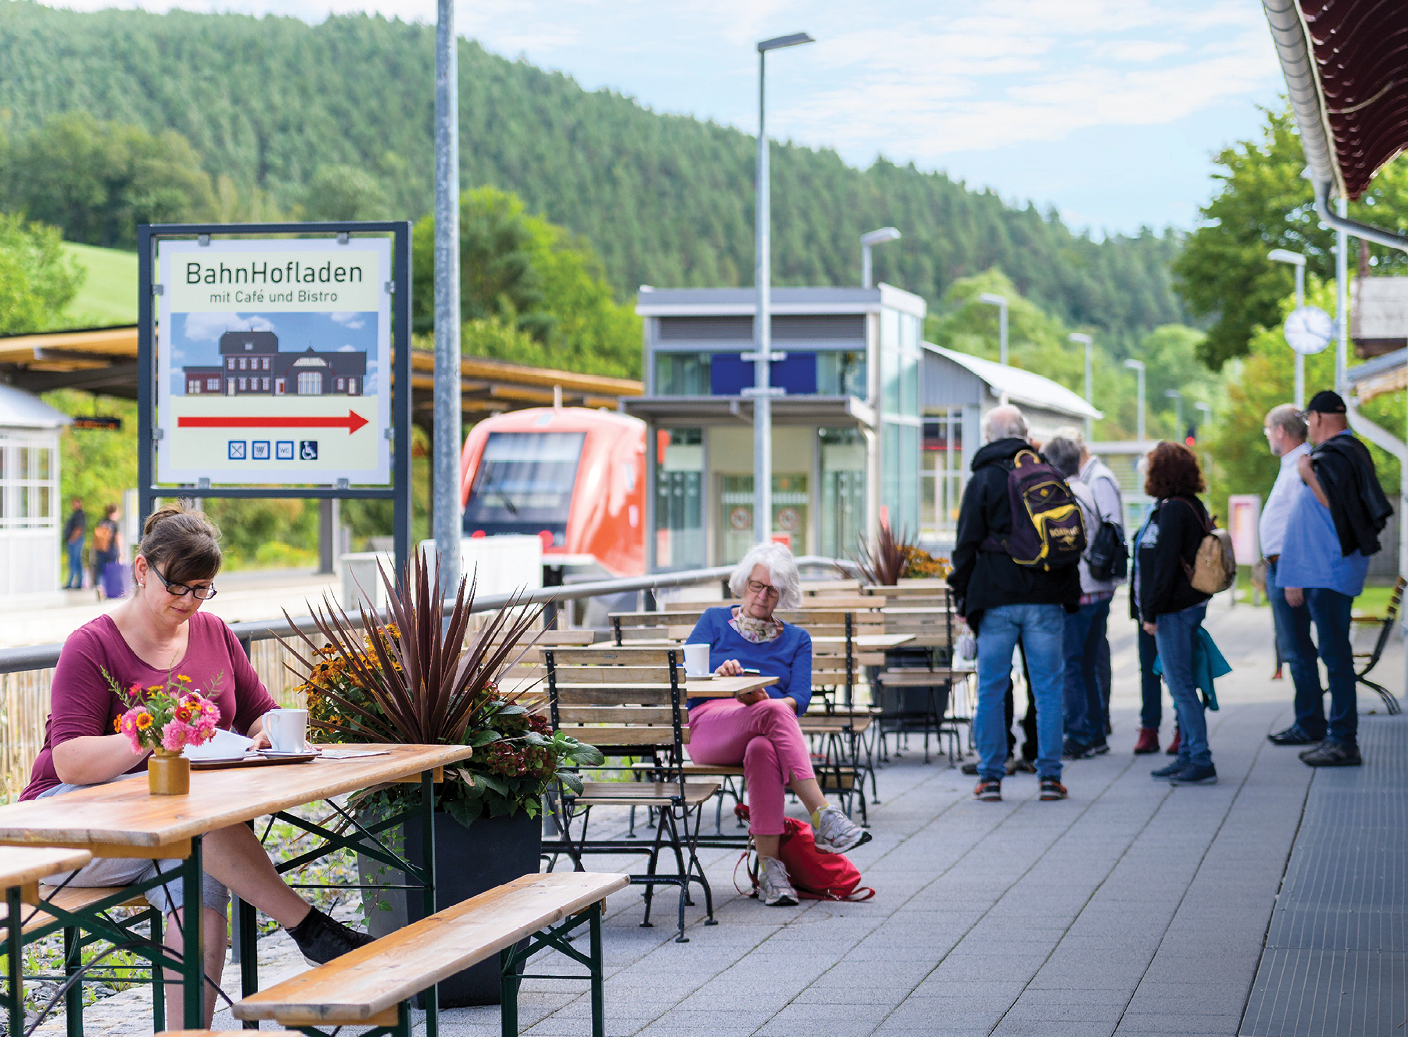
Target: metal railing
46 656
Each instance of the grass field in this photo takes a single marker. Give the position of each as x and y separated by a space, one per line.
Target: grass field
109 293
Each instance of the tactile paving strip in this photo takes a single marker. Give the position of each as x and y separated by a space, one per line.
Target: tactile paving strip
1336 957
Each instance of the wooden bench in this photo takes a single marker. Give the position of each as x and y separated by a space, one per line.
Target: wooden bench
374 985
629 702
1385 624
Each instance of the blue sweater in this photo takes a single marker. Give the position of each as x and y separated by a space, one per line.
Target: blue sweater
788 657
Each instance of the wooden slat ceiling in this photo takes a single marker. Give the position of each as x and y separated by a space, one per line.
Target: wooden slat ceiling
104 360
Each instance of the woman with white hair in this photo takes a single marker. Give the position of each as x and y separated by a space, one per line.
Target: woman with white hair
759 729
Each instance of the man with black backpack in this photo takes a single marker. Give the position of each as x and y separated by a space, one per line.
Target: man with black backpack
1015 576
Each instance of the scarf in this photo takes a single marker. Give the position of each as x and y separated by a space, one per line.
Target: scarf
758 631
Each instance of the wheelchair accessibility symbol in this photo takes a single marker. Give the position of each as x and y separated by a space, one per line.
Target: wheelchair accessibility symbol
308 450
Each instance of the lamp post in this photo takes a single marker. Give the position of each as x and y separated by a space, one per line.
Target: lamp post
762 390
1281 255
448 518
1206 408
1138 366
1177 398
1000 301
1076 336
867 241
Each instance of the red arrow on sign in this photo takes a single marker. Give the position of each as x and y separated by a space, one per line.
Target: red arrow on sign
351 423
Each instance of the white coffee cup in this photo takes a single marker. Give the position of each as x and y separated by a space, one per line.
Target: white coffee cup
287 730
696 661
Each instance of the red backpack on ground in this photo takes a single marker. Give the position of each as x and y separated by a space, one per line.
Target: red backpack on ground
814 875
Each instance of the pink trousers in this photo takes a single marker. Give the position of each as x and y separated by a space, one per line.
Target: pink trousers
766 738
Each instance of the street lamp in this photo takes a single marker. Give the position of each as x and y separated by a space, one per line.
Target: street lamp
1138 365
1076 336
1000 301
867 241
1281 255
1206 408
447 514
762 390
1177 398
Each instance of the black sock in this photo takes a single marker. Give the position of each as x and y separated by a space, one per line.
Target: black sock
304 929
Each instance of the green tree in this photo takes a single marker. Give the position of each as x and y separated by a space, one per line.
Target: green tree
1264 202
343 192
37 281
530 291
97 181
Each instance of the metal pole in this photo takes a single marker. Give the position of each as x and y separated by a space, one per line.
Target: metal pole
1141 403
1300 357
865 266
446 447
1002 333
762 335
1342 305
1089 343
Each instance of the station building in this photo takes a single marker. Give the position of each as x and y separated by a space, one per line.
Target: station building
875 424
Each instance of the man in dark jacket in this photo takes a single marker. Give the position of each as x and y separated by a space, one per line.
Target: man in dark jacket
1331 531
1004 602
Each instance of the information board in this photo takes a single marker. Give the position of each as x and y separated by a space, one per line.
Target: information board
1243 519
273 361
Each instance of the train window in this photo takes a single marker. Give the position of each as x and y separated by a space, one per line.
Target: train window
524 484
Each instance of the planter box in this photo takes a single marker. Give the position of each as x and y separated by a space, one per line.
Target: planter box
468 861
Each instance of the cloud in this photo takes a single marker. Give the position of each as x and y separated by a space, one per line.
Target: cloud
347 349
208 327
349 319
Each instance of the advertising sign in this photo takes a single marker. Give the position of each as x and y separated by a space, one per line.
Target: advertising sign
1243 518
274 361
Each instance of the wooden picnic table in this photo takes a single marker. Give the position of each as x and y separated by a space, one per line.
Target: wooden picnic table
21 868
871 641
122 819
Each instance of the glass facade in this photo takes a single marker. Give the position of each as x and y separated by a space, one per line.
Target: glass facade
679 511
900 359
682 374
941 484
842 491
29 485
791 504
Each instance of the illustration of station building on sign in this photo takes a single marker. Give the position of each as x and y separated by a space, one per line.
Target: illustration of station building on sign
252 365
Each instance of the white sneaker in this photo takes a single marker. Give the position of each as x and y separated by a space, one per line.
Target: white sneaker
837 833
774 889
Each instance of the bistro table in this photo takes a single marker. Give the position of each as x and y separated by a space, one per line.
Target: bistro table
122 819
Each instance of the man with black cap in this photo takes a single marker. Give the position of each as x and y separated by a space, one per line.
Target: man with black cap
1333 526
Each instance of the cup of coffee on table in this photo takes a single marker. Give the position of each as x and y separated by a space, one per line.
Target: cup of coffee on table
287 730
696 661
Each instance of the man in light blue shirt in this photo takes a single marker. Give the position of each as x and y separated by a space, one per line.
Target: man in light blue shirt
1285 435
1313 571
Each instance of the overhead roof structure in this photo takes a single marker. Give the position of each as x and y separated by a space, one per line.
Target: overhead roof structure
104 360
1019 386
1346 66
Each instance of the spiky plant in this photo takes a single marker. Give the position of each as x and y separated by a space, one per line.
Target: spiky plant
884 562
416 678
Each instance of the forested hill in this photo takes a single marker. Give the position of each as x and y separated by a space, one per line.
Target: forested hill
665 200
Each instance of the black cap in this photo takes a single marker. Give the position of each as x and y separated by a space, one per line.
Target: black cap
1326 402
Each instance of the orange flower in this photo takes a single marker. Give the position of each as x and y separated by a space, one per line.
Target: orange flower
117 724
154 687
183 677
144 721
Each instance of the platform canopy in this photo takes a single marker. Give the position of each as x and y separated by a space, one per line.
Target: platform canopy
1346 68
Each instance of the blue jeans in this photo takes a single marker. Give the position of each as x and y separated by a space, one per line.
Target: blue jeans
75 564
1331 611
1298 652
1085 708
1041 629
1175 640
1151 689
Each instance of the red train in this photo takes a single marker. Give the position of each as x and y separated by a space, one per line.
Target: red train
573 477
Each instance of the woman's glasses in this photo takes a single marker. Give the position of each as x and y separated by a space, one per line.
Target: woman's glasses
754 587
179 590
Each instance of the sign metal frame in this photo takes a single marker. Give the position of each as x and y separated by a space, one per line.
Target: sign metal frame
399 492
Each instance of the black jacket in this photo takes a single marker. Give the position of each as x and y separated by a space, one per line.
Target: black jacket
986 579
1357 501
1170 540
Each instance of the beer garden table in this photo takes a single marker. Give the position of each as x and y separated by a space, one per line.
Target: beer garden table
122 819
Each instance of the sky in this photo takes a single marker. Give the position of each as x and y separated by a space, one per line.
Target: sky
1110 111
196 338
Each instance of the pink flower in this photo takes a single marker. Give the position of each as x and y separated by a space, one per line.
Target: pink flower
176 736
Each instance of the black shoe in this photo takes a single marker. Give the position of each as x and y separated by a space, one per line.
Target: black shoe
1100 750
1332 754
1024 766
1195 775
320 939
1293 735
1073 750
1167 773
971 767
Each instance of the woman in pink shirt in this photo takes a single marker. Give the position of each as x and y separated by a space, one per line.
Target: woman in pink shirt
159 630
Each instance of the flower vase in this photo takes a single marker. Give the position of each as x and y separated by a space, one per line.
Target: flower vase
168 774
